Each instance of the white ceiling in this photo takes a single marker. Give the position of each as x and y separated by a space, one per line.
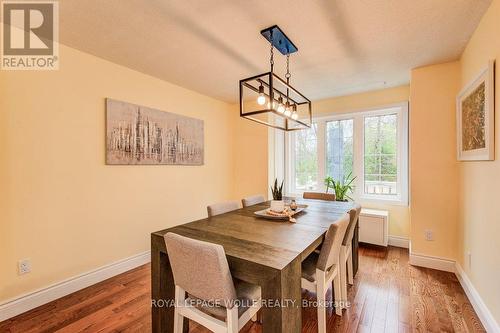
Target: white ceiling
345 46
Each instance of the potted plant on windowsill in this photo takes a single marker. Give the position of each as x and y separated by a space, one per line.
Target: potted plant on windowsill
277 204
342 189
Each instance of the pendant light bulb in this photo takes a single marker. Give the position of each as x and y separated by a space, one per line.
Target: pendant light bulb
295 115
287 109
261 100
281 107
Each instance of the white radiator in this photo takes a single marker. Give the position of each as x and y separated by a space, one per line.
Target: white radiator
374 226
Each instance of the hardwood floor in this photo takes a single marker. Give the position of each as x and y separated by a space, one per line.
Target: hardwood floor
389 295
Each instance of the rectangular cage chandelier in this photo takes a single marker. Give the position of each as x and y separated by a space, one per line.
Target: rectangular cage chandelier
270 100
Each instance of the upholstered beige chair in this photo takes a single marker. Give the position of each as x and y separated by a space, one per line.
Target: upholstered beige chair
222 207
346 273
319 270
252 200
319 196
213 299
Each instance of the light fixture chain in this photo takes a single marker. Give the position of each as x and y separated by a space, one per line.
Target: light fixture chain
288 75
271 60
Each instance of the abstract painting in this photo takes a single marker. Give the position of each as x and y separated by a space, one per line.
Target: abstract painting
475 118
140 135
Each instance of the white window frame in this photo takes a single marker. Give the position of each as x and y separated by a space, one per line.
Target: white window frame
401 109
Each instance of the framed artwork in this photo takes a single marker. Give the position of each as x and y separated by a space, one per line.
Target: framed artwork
476 118
140 135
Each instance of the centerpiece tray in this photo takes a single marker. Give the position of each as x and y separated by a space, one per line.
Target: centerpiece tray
265 213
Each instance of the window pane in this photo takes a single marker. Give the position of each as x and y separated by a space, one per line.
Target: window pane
380 155
339 148
306 159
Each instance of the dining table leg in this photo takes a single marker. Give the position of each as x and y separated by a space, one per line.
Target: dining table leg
162 292
281 295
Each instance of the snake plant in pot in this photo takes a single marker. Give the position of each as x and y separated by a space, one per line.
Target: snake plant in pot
277 204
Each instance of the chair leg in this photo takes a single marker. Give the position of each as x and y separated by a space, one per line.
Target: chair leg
232 320
321 313
321 300
343 278
350 274
338 295
178 318
259 317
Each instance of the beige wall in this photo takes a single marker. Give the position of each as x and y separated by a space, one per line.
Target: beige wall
399 224
362 101
4 196
433 165
464 211
479 214
62 207
250 141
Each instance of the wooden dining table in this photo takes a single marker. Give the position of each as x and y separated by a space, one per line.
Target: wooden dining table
265 252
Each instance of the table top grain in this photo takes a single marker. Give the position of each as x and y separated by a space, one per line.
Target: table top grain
270 243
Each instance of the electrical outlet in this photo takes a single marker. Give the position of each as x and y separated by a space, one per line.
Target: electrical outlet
23 266
429 236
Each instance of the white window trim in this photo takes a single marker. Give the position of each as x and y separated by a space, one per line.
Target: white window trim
358 152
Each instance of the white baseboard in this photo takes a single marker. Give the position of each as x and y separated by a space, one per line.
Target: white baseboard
42 296
440 264
399 241
481 309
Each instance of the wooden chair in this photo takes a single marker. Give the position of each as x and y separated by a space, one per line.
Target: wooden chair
346 273
319 196
213 298
252 200
320 270
222 207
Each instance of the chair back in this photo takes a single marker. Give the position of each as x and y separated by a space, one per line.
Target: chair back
201 269
252 200
319 196
354 215
222 207
330 250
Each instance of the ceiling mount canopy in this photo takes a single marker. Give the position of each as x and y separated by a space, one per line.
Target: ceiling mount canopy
270 100
279 40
